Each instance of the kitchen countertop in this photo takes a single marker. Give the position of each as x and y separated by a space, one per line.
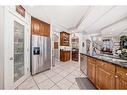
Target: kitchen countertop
65 50
115 61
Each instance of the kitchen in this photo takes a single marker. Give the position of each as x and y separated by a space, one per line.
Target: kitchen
41 49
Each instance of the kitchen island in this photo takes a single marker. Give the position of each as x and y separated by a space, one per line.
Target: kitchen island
106 72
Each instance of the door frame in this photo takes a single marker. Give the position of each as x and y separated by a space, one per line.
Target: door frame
9 50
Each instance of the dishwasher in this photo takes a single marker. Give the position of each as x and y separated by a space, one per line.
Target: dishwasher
83 64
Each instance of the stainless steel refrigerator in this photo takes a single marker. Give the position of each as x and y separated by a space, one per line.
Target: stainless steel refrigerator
41 54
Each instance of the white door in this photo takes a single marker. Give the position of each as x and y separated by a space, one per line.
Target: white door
15 51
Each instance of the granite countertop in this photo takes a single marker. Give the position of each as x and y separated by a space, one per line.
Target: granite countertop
64 50
115 61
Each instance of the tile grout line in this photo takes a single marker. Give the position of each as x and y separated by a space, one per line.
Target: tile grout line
54 83
22 83
57 82
64 77
61 79
35 83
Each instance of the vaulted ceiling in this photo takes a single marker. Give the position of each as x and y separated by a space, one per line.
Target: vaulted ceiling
86 19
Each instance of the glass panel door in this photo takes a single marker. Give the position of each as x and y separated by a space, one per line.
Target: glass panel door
18 51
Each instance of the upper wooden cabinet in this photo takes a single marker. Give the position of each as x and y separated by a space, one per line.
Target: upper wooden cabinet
64 39
39 27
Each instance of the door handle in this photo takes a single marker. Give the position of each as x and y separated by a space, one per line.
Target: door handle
11 58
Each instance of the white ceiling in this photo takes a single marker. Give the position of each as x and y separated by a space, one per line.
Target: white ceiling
64 16
89 19
115 29
102 17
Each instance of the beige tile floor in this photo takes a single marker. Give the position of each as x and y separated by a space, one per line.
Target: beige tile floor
60 77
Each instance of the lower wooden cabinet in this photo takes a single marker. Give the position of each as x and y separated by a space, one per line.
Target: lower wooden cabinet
91 70
64 55
104 79
105 75
121 83
121 78
75 55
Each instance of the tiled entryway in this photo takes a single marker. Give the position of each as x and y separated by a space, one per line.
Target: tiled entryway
60 77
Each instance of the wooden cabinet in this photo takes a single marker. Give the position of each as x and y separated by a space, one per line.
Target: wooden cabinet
91 68
64 55
46 29
39 27
104 79
101 74
64 38
35 26
105 75
75 55
121 83
121 78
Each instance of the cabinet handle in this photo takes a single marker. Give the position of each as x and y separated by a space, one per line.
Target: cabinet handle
116 76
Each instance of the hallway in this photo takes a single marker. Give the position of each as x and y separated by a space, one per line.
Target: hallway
60 77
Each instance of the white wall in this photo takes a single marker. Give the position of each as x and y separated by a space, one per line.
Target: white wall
80 36
1 47
55 53
83 39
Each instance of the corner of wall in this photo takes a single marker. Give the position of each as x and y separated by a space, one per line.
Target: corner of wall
1 47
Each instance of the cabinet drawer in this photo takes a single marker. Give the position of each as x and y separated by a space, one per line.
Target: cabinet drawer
98 62
91 60
108 67
122 72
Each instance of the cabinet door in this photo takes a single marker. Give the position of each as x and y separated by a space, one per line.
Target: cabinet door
97 77
121 78
62 56
61 39
121 83
42 29
64 39
91 71
47 30
105 80
35 27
